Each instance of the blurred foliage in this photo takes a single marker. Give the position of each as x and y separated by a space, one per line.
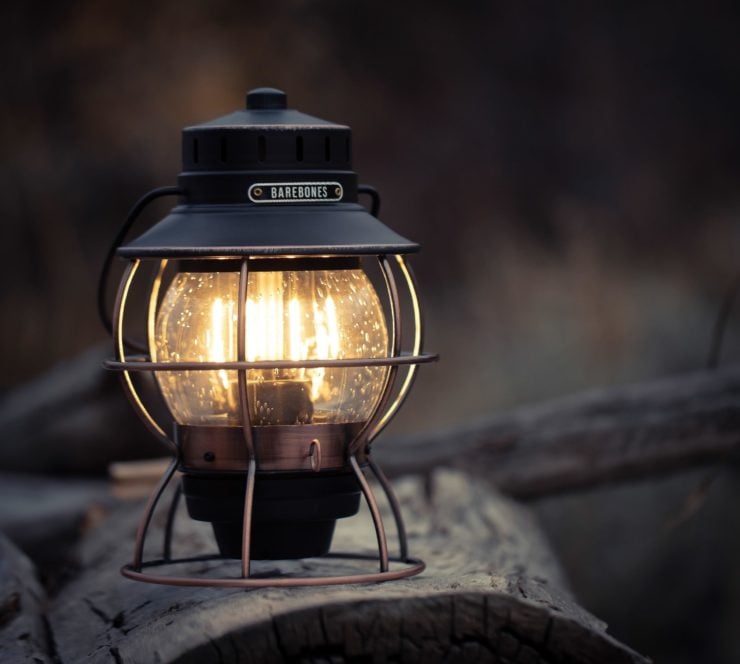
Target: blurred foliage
570 169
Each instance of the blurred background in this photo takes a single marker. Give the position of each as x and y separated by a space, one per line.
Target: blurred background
572 171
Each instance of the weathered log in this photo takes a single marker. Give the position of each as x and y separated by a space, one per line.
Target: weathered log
492 593
45 518
600 436
74 419
23 630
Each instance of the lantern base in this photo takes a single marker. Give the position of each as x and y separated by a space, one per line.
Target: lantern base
294 514
277 541
411 566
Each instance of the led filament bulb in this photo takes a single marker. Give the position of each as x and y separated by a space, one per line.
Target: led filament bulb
296 315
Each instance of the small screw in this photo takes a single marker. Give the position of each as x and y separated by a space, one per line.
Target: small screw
257 191
338 191
209 456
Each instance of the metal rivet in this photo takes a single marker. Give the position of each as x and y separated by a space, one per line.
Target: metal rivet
337 191
257 191
209 456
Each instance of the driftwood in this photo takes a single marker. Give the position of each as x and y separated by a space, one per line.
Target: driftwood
599 436
492 593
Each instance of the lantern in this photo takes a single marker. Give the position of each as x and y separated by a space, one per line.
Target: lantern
275 336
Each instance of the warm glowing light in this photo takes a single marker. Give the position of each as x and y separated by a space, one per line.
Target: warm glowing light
294 314
217 339
290 315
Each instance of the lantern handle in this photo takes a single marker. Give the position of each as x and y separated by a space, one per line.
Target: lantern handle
134 213
374 195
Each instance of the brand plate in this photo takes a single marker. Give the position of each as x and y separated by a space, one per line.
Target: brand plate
295 192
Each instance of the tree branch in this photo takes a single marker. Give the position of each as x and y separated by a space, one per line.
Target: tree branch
599 436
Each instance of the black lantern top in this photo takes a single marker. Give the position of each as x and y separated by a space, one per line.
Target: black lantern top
267 180
266 136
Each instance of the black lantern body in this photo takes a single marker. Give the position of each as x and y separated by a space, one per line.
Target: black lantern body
270 340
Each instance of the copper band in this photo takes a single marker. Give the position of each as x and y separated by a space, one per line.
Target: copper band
277 447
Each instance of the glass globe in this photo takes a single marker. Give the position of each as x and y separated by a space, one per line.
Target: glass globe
290 315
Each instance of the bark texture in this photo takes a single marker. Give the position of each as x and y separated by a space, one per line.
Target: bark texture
604 435
492 593
24 635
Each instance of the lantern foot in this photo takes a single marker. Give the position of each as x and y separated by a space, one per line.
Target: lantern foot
265 542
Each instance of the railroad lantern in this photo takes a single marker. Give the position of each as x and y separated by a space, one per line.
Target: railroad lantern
275 335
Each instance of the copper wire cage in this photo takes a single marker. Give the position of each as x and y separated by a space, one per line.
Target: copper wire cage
356 452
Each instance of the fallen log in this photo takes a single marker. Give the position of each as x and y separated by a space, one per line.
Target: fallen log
23 630
75 419
492 593
600 436
45 518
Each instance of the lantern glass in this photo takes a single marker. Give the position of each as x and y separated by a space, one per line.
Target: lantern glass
293 315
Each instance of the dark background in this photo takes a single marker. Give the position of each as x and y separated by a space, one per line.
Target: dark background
572 171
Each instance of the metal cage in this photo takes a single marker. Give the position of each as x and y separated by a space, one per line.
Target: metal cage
354 454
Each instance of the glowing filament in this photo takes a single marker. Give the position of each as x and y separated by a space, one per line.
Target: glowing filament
217 338
297 352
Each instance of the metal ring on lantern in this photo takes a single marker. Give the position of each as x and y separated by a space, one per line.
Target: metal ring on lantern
136 365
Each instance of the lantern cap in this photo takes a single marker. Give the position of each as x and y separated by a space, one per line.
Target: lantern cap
266 135
266 109
249 230
267 180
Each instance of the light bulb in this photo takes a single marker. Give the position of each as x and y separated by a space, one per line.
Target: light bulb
290 315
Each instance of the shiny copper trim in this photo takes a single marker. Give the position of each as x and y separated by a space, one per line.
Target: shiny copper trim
276 447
